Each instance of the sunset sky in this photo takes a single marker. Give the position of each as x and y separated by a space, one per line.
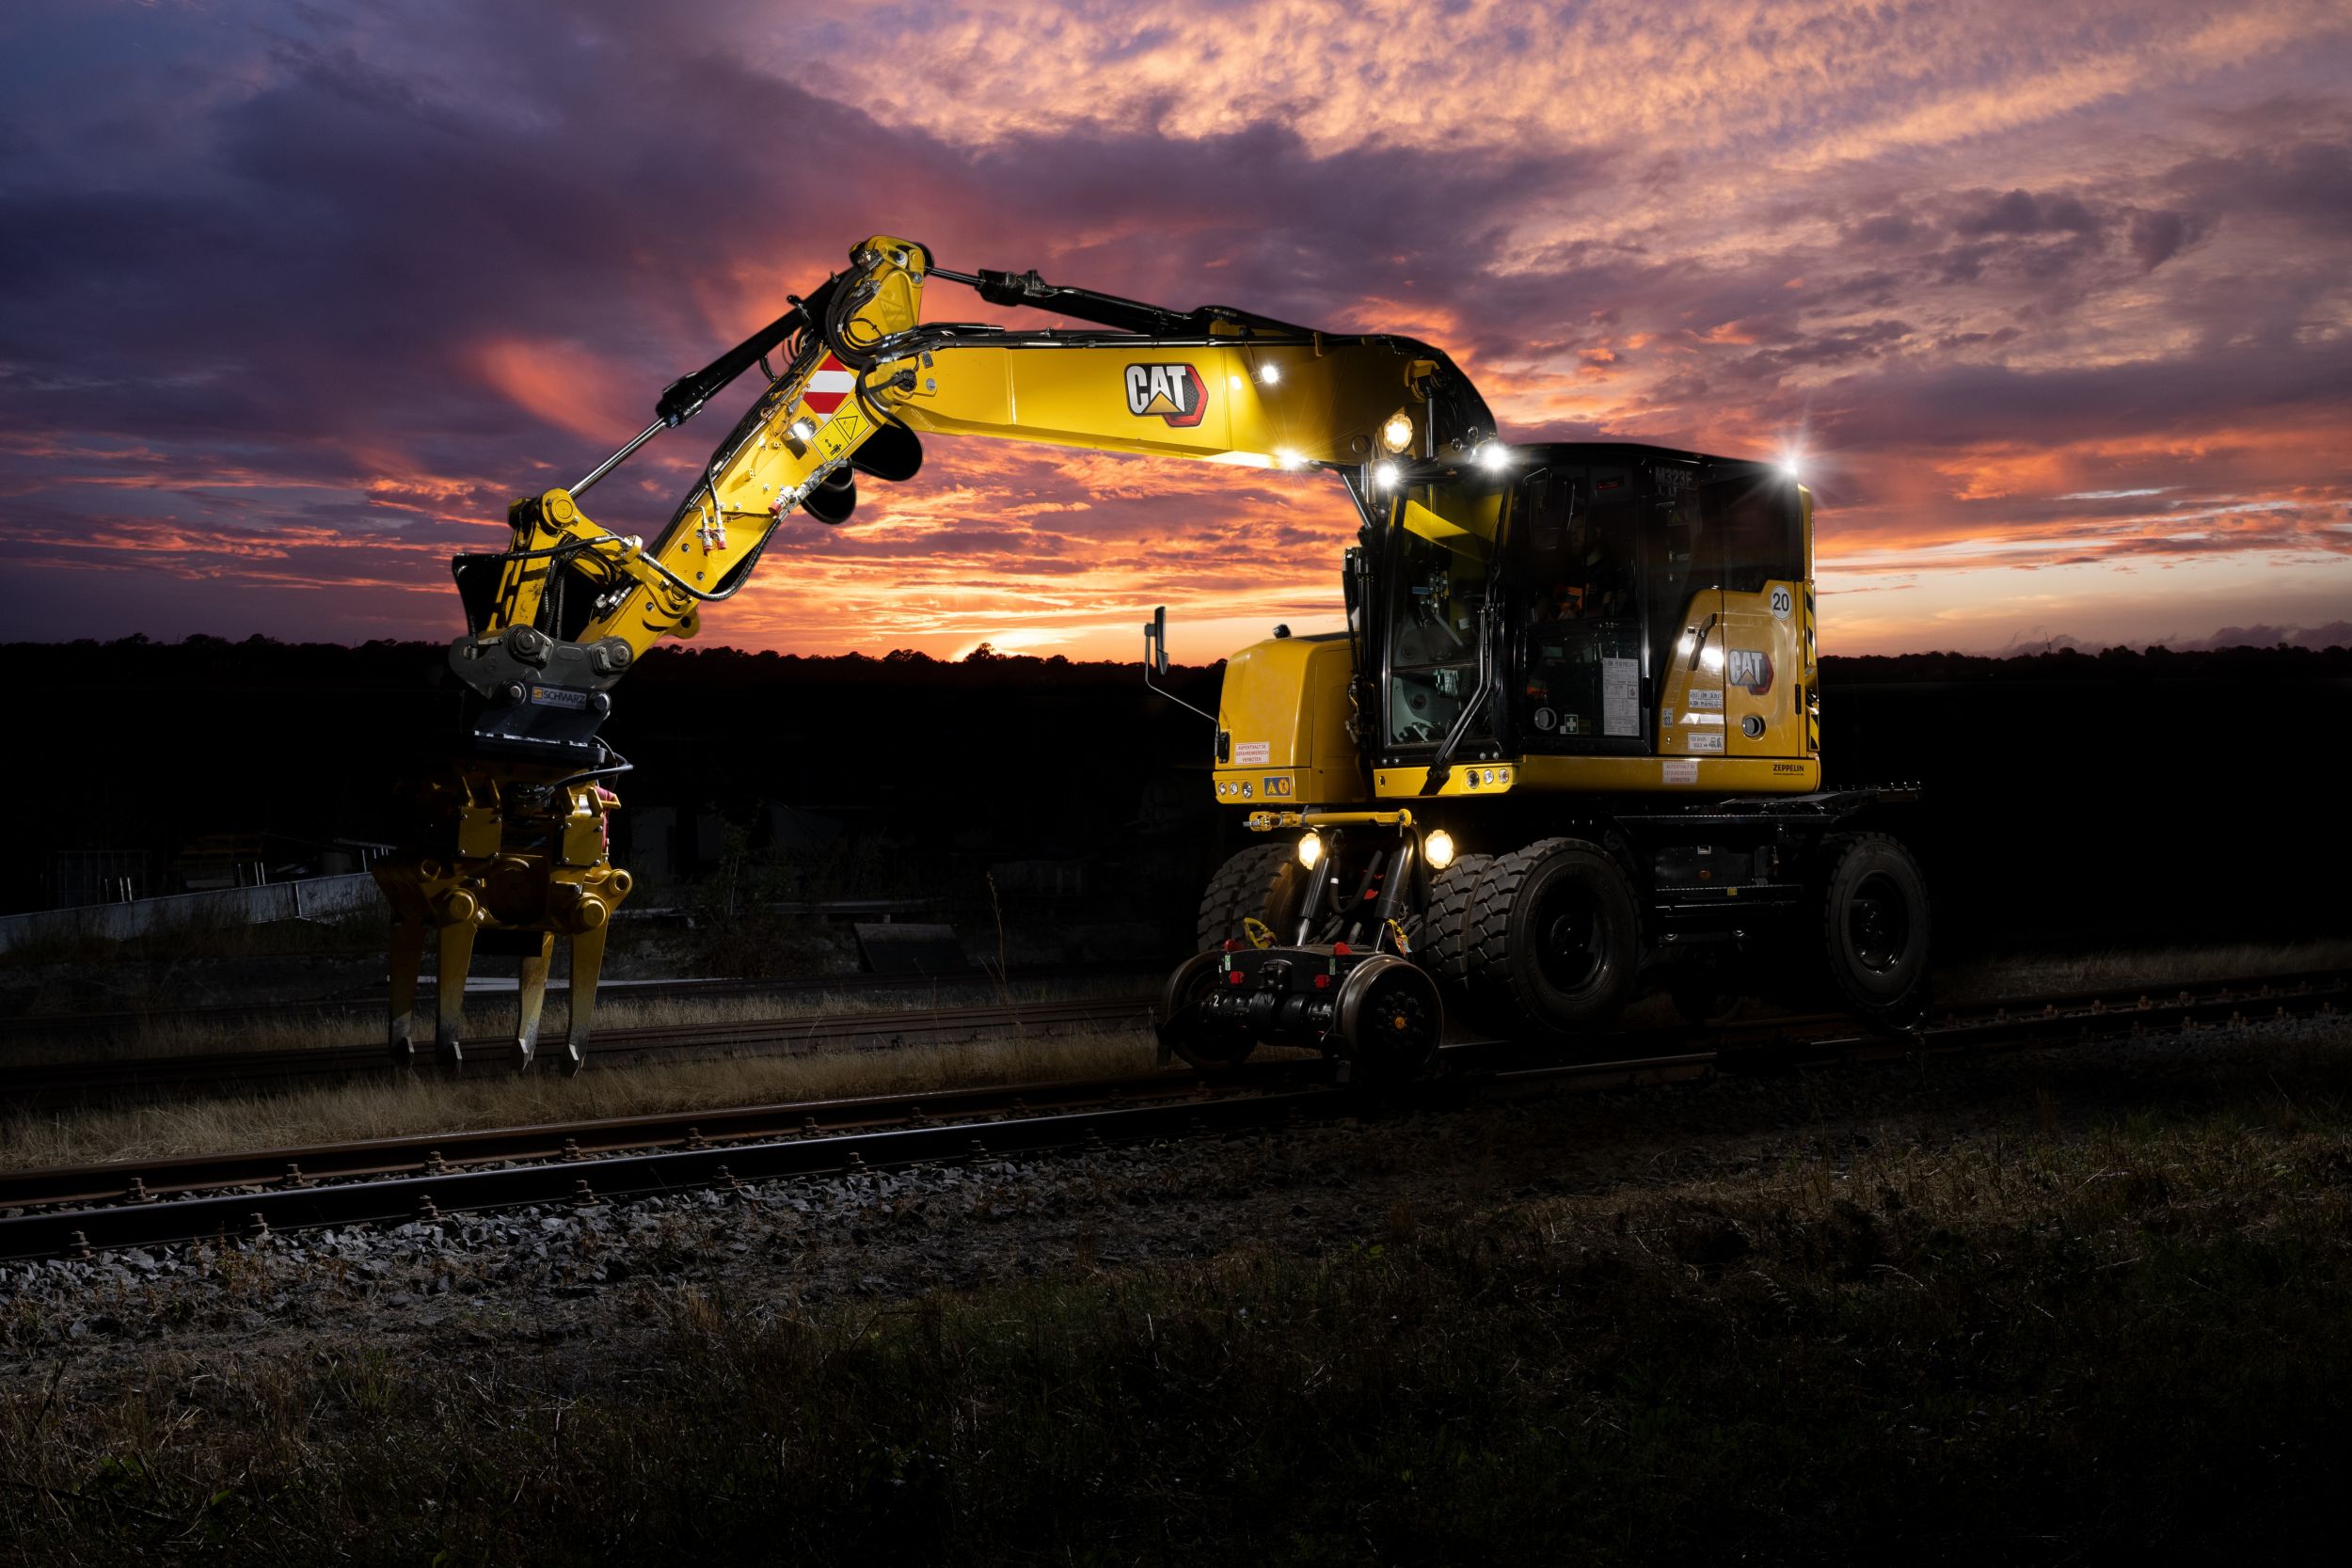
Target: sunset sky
2052 303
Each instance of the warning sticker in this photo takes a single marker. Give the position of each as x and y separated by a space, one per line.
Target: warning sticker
1620 696
841 432
1699 697
1253 753
1704 741
1681 771
830 382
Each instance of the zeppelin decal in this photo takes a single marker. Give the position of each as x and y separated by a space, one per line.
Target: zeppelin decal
1173 393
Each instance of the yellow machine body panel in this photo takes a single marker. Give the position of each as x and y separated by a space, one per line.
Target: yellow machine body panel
1284 710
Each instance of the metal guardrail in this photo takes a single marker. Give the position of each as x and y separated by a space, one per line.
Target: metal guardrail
305 898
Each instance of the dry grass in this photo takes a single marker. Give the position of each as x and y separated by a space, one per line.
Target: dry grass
488 1014
389 1107
2115 968
2028 1345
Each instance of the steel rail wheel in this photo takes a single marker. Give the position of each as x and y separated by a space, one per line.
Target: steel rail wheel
1390 1020
1186 1031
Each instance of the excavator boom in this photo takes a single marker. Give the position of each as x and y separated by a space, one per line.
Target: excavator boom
512 850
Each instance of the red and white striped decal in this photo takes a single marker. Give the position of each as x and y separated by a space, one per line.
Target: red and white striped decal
828 385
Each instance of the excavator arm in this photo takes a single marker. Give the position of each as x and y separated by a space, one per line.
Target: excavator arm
512 850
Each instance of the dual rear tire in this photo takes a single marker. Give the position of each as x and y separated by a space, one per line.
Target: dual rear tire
1552 939
1867 943
1264 882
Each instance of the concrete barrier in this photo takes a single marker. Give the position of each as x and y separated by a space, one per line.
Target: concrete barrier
312 897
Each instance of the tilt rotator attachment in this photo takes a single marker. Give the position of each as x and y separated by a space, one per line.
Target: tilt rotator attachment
513 845
1336 978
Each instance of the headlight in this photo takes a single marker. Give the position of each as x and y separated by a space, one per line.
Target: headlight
1398 432
1492 457
1438 846
1269 374
1310 850
1383 475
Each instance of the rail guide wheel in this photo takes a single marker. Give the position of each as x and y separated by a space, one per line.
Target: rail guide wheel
1200 1036
1390 1020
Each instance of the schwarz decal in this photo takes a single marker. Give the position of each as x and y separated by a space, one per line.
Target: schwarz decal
555 696
1173 393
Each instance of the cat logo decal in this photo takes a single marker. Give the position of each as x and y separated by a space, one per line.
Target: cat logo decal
1174 393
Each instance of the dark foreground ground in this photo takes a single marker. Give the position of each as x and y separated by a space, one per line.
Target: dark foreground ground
2044 1308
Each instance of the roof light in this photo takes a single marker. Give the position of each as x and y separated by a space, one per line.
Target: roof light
1270 374
1492 457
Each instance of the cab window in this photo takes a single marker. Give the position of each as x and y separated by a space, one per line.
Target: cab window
1440 587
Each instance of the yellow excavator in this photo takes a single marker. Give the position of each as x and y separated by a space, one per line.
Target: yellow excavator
1567 747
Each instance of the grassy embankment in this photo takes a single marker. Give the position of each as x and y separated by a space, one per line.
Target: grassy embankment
2050 1340
387 1107
392 1105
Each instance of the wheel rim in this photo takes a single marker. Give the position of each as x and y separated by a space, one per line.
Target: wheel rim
1396 1027
1568 946
1877 924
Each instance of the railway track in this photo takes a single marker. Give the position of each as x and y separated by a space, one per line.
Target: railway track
71 1212
39 1084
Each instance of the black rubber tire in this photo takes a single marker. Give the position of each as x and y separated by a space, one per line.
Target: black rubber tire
1441 945
1871 929
1265 880
1554 939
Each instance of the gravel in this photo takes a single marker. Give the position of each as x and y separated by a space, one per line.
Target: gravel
887 1235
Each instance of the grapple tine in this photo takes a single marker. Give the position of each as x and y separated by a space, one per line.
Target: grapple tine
454 958
534 996
407 960
587 964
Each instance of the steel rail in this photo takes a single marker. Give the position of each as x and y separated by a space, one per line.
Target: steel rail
1472 1066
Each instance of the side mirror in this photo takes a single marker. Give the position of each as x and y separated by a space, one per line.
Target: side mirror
1155 642
1155 659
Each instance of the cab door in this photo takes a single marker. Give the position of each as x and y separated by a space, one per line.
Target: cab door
1753 523
1686 618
